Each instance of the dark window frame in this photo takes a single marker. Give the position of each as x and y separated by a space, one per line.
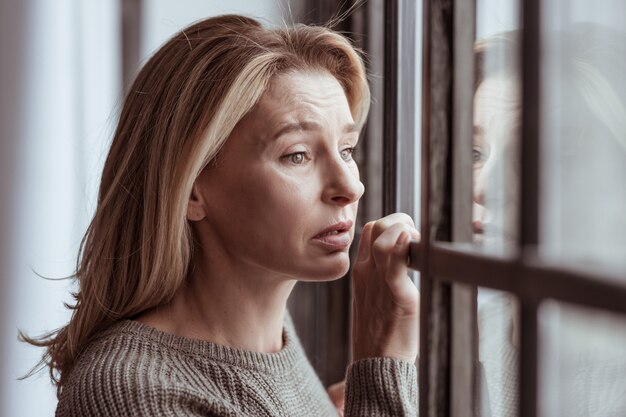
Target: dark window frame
451 268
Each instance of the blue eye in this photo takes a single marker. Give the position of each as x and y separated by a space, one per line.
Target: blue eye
346 154
296 158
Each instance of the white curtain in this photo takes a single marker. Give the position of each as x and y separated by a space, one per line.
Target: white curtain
60 95
61 88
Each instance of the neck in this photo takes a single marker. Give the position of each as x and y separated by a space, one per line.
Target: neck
228 304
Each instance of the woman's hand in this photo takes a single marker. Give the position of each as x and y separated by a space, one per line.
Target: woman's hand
336 393
385 300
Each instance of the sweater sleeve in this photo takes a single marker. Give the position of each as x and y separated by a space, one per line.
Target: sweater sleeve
381 387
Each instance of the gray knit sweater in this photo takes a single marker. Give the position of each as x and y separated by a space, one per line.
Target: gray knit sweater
134 370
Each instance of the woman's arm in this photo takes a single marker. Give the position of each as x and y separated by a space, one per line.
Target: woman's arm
382 380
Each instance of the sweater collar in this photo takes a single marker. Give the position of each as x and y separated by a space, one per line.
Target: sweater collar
278 362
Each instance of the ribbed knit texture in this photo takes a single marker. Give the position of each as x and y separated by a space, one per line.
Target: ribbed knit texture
381 387
134 370
499 358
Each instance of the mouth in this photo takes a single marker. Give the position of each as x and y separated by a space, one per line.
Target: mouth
478 227
335 229
336 236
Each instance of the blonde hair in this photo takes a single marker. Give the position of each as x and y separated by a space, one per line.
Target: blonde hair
177 115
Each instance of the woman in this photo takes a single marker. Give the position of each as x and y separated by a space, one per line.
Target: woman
230 178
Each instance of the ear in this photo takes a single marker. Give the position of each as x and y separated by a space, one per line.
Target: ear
196 210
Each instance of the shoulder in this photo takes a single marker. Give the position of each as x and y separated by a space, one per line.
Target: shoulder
124 373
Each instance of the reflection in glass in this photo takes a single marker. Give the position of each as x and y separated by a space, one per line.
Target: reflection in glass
582 362
496 174
583 196
498 354
495 154
583 134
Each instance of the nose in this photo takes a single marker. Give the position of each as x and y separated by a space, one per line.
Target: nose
342 185
479 187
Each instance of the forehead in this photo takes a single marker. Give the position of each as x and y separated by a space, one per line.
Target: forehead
496 94
300 96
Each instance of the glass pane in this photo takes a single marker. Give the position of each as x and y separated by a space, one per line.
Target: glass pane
498 353
583 132
409 105
582 362
495 155
496 118
417 152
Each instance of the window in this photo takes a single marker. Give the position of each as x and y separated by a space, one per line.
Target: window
522 122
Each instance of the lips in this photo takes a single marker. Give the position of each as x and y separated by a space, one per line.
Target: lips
337 228
477 225
336 236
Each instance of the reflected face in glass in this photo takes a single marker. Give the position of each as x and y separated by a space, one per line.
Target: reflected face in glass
495 160
283 193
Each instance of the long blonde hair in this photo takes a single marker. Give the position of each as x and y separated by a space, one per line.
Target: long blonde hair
177 115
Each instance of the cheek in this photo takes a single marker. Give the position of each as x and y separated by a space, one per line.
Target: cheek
282 202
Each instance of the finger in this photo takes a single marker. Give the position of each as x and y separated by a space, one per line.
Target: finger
365 243
386 222
361 265
403 289
384 245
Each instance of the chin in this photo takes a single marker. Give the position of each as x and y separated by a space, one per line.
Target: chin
329 270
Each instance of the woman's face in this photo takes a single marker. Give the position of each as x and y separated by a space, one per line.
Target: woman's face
283 193
496 161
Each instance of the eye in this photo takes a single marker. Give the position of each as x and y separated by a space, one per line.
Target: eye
347 154
296 158
478 155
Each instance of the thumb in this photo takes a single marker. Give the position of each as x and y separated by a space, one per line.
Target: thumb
365 242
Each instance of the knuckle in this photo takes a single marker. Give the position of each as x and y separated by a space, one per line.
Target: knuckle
398 228
408 228
379 247
383 224
405 218
398 218
368 226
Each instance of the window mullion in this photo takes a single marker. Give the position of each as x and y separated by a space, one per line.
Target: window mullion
530 192
435 207
463 325
390 145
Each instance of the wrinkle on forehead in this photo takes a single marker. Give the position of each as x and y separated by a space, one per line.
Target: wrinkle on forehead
495 94
496 105
303 97
289 80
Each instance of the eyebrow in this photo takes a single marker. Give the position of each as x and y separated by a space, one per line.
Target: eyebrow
310 126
